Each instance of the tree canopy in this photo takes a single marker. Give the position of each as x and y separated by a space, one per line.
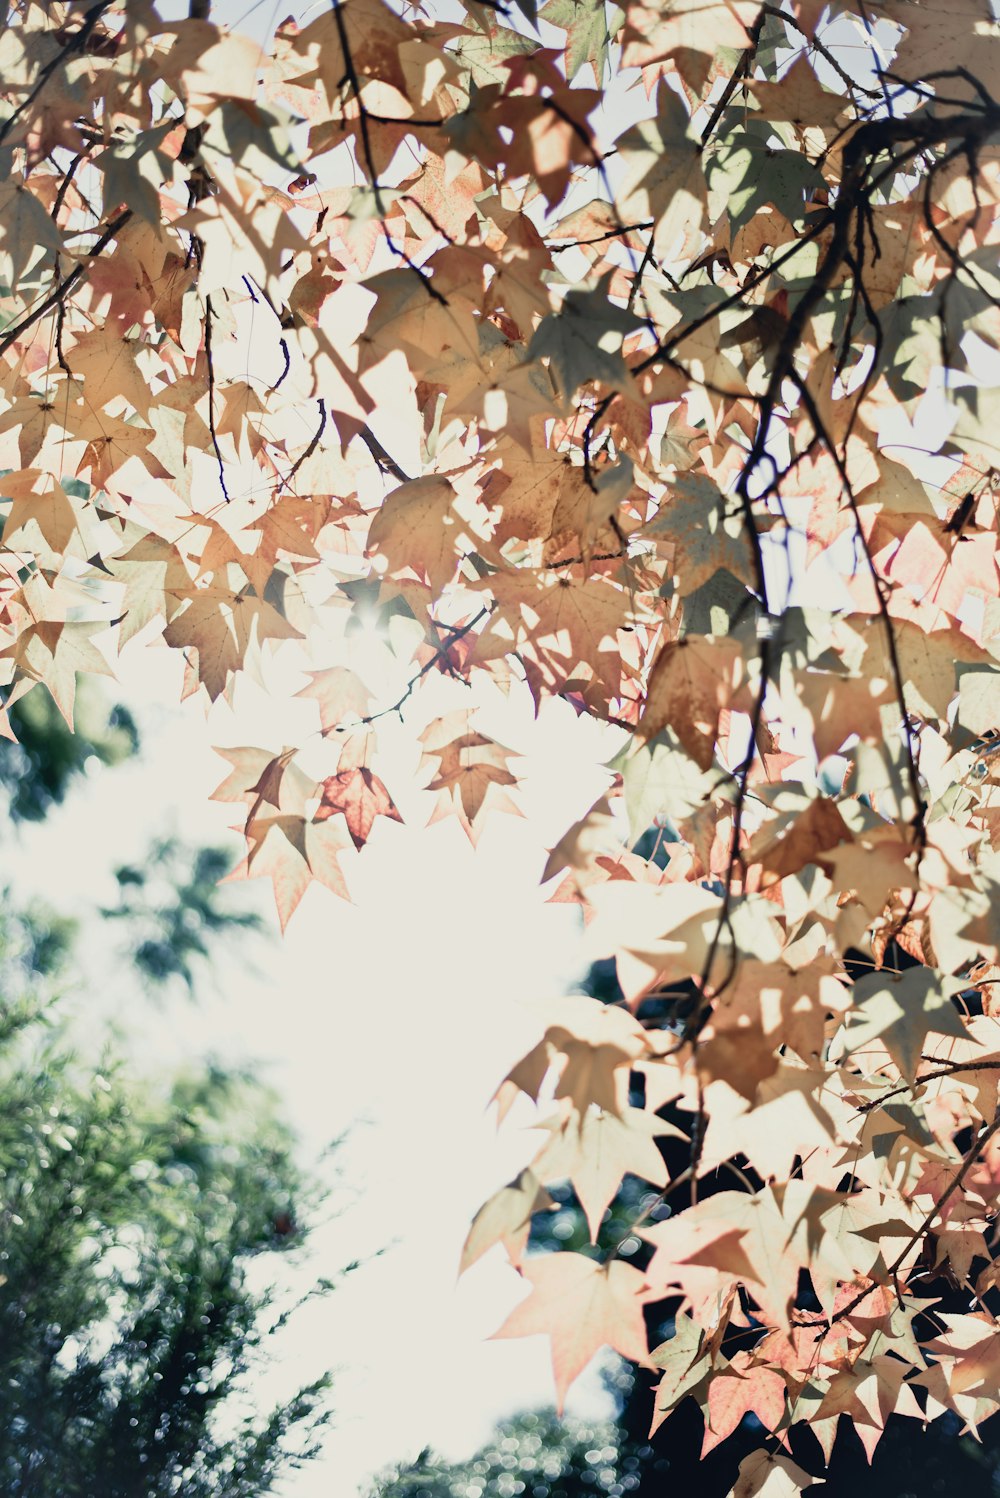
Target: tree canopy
141 1216
641 357
534 1454
132 1325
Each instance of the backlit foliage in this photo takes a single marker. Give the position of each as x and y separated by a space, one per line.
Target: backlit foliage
587 350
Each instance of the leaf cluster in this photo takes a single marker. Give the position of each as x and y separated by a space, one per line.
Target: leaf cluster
397 322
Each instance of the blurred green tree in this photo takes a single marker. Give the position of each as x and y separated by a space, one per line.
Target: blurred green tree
129 1330
169 902
37 771
537 1455
141 1224
174 909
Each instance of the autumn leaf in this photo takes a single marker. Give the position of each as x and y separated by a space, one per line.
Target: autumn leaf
744 1388
582 1306
635 376
583 341
593 1048
686 1365
470 770
664 179
359 795
772 1476
797 837
341 695
898 1010
55 653
689 32
691 681
506 1218
421 526
597 1149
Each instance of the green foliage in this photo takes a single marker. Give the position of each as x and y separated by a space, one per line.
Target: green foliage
128 1324
38 770
174 910
140 1224
535 1455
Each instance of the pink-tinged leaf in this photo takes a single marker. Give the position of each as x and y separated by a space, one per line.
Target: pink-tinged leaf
360 795
744 1388
581 1306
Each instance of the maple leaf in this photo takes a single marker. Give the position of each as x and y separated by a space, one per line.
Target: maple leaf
659 779
688 32
594 1048
899 1010
565 623
220 624
800 98
111 369
419 527
273 853
284 529
702 536
967 1352
341 695
367 31
527 485
291 851
547 134
583 341
664 179
54 651
871 1391
48 514
588 32
795 838
35 420
686 1365
581 1306
506 1218
691 681
772 1476
470 770
156 580
579 846
110 448
791 1113
28 229
597 1149
440 340
949 39
745 1387
356 792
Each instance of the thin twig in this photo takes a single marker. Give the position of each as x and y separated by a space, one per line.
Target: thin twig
307 454
65 286
428 666
384 459
73 44
364 117
209 316
972 1155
